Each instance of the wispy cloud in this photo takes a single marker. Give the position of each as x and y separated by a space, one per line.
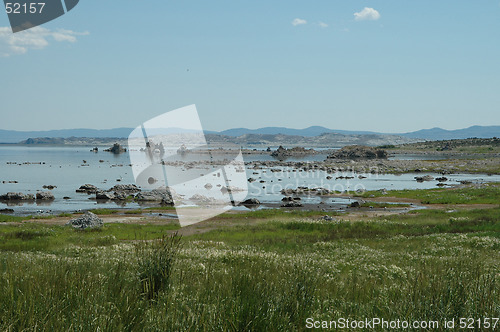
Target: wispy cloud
33 39
298 21
323 24
367 14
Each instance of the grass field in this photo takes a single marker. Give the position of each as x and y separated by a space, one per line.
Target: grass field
266 270
475 194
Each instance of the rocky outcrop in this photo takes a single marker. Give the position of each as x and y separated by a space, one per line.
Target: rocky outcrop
125 188
355 204
359 152
182 150
162 195
88 220
44 196
282 152
87 189
104 195
424 178
290 199
116 149
292 204
251 201
17 197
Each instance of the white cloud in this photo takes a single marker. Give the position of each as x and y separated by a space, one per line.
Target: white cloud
298 21
367 14
323 24
35 38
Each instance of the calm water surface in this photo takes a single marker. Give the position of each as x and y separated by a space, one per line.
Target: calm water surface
70 167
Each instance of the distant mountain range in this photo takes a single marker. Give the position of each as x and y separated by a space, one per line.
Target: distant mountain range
307 132
11 136
427 134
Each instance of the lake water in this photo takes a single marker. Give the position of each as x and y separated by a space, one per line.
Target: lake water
70 167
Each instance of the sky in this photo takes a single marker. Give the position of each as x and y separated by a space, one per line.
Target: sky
387 66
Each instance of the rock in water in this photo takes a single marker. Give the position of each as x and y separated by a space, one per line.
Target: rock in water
359 152
44 196
251 201
102 195
87 189
17 197
116 149
125 188
355 204
163 195
88 220
292 204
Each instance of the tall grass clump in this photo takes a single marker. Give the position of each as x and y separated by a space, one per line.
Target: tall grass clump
155 260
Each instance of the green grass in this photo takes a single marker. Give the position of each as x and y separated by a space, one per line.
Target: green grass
36 237
484 194
160 208
381 205
293 234
105 211
137 211
471 146
8 218
267 274
273 213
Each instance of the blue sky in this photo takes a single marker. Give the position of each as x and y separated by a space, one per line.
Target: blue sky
396 66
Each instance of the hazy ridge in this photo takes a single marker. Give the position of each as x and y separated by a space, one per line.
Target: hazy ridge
311 136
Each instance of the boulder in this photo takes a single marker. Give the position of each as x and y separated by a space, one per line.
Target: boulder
282 152
355 204
104 195
290 199
88 220
424 178
44 196
126 188
116 149
292 204
17 197
120 196
162 195
251 201
87 189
